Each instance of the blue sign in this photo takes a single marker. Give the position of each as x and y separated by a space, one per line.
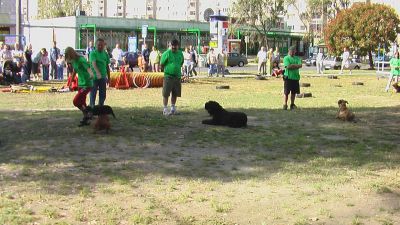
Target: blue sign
132 44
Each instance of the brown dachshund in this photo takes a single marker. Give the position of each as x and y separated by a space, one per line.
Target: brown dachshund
102 123
344 113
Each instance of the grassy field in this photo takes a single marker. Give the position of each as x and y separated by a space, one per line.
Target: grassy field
287 167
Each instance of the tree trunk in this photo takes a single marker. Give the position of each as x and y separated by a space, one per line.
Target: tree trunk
371 60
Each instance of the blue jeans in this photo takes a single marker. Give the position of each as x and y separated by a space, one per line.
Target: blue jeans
60 72
45 72
100 84
212 69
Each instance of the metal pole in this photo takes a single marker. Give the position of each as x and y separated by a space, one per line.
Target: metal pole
246 49
18 20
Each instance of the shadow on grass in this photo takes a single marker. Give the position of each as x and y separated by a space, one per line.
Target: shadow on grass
49 148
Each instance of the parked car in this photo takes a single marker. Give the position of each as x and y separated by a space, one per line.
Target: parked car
335 63
81 52
235 59
312 61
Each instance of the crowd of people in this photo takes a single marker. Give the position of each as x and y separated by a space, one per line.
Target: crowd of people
20 66
149 60
268 62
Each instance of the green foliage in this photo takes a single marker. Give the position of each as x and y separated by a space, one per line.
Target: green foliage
262 15
57 8
362 27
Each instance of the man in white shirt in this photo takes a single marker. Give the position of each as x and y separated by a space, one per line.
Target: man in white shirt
345 60
262 59
319 59
117 55
17 53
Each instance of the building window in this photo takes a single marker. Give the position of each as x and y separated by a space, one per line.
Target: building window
192 13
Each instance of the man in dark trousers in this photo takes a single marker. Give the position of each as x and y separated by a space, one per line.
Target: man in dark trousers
146 56
99 61
54 53
171 62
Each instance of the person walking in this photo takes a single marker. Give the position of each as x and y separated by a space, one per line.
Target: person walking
212 62
45 61
319 62
99 60
154 58
269 61
117 56
345 60
394 69
89 49
187 64
221 58
291 78
146 57
27 63
194 56
262 59
85 81
276 56
54 54
60 68
171 62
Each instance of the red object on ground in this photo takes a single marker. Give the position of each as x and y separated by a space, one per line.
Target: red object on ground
277 72
122 80
73 84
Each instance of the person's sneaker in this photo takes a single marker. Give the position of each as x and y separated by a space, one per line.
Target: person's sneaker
174 112
284 107
293 106
84 122
165 112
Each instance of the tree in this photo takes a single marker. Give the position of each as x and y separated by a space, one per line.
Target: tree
57 8
375 25
262 15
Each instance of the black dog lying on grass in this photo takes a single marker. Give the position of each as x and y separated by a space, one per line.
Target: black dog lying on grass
224 118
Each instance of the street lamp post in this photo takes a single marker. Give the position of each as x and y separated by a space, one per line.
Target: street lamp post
18 20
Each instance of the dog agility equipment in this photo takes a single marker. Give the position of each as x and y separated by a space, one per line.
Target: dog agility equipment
304 95
223 87
357 83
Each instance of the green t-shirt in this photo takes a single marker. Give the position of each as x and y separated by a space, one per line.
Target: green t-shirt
292 74
172 62
80 66
395 63
102 60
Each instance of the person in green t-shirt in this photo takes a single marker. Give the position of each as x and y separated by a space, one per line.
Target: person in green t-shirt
291 77
85 81
99 60
394 69
171 62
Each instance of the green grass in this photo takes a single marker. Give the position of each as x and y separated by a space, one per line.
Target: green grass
284 168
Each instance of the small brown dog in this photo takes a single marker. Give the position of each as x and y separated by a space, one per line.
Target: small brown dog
344 113
396 88
102 123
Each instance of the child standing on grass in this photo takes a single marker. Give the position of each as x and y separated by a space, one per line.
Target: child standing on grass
85 81
60 68
45 65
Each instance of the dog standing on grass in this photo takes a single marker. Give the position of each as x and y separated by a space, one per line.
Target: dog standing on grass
344 113
102 121
224 118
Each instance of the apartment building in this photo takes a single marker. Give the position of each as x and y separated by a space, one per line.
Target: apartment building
7 18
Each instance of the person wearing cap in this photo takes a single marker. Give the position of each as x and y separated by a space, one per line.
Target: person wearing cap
291 77
171 62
